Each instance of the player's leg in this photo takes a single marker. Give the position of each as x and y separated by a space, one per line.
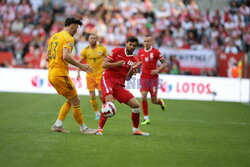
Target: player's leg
124 96
91 85
103 119
144 92
94 104
58 126
154 98
100 94
107 96
135 116
77 114
98 86
145 107
64 110
160 102
59 84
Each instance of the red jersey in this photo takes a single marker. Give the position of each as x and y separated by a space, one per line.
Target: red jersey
118 74
149 60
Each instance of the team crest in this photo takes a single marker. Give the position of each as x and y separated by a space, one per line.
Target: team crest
99 53
151 56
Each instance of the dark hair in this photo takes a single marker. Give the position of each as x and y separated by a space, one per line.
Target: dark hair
132 39
71 20
148 35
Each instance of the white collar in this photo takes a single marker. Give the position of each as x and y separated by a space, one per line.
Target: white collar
148 50
125 50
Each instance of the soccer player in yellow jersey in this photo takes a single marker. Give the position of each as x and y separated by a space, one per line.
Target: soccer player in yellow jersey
60 46
94 55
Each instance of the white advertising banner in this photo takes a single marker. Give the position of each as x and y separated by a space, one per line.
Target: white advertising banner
170 86
192 58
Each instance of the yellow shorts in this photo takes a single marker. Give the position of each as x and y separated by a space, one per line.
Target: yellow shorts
63 85
93 82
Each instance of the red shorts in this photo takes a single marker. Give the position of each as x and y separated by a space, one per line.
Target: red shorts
109 87
149 85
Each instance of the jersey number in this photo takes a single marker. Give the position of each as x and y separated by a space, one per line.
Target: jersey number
53 46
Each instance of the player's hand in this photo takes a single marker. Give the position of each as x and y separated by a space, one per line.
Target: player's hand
120 63
135 71
154 72
136 66
87 68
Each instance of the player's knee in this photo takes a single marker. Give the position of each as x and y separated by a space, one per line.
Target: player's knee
135 105
144 98
109 98
92 94
92 97
75 101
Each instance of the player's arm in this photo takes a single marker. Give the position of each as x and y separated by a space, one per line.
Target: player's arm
48 52
70 60
161 67
78 70
133 70
46 57
109 64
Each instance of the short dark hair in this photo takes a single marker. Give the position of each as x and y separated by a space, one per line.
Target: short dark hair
132 39
148 35
72 20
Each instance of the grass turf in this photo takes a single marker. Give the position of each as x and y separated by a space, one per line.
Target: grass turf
190 133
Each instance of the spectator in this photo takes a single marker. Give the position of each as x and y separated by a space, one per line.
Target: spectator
33 57
231 47
174 65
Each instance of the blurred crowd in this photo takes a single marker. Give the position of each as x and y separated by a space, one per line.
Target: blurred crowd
27 24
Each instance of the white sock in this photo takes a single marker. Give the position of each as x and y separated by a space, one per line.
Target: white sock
59 123
83 126
146 118
135 110
135 129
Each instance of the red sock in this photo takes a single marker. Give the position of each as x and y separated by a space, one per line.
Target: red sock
145 107
135 119
102 121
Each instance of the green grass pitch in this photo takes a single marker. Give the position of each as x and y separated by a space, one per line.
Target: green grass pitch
190 133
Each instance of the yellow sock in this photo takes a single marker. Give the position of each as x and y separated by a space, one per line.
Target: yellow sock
94 104
64 111
77 114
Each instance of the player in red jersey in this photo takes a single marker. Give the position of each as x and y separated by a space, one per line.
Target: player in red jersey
149 57
120 65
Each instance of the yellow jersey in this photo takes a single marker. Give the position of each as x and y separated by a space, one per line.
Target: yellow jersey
57 65
94 57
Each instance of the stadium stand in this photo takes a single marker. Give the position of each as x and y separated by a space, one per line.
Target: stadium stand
27 24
